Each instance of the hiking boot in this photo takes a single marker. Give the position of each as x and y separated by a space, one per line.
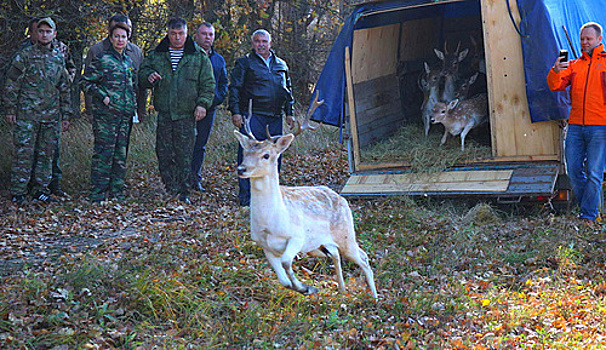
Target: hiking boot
57 192
18 199
43 197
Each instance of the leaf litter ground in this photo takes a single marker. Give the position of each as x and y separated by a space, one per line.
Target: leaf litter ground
150 273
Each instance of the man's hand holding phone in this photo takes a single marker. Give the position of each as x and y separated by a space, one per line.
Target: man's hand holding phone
561 62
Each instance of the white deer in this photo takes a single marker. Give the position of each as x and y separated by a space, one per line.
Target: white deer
286 221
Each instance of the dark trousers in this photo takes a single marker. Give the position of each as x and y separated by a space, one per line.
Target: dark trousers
203 129
257 126
174 148
57 173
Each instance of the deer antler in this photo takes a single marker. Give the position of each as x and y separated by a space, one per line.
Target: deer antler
305 124
247 121
269 137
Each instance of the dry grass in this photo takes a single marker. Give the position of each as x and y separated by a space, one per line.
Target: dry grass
424 154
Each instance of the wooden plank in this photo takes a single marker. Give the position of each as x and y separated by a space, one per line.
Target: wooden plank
478 181
441 177
373 166
378 109
418 38
376 92
532 180
513 133
444 188
374 52
445 182
352 112
379 116
380 129
360 2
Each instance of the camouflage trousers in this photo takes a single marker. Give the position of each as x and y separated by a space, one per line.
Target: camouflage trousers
174 148
108 166
35 142
57 172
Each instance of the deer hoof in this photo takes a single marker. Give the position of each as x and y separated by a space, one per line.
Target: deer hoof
310 290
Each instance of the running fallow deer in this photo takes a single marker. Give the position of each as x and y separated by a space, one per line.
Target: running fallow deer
286 221
459 117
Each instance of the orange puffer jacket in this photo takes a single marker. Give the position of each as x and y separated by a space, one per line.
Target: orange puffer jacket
586 77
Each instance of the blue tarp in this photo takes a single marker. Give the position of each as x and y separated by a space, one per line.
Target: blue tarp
543 37
541 32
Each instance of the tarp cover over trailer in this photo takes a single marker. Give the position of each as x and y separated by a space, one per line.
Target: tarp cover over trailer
540 30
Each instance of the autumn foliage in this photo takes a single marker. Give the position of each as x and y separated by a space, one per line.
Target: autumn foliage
300 28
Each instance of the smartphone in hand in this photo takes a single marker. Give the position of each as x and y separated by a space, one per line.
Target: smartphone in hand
564 53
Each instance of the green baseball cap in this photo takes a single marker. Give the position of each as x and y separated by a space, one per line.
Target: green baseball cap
49 22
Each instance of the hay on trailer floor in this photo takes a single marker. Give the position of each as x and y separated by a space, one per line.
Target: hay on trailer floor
425 154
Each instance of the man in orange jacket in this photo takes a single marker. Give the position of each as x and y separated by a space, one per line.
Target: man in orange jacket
585 147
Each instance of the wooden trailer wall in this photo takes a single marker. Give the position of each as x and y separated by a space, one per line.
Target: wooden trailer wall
514 136
373 82
375 85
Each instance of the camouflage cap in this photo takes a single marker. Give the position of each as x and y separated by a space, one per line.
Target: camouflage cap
49 22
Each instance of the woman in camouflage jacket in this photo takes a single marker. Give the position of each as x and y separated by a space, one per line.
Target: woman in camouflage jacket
112 80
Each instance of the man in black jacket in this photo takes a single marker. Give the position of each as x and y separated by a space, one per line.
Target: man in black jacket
262 77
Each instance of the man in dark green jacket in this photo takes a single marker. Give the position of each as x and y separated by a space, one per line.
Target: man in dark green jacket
183 85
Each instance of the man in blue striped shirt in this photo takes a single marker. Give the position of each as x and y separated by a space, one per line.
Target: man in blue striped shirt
184 87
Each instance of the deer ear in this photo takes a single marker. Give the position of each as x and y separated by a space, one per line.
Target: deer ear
439 54
243 139
463 54
453 104
283 142
473 78
427 70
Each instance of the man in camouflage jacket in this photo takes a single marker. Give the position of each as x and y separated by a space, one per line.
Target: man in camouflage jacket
36 99
57 173
182 78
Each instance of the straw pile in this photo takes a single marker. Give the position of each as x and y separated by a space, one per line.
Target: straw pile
425 154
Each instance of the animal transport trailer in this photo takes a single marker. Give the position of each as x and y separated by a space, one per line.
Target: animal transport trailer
515 159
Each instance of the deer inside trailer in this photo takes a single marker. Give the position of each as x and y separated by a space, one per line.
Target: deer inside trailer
394 45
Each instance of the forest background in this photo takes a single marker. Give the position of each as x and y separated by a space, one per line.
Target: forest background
300 28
